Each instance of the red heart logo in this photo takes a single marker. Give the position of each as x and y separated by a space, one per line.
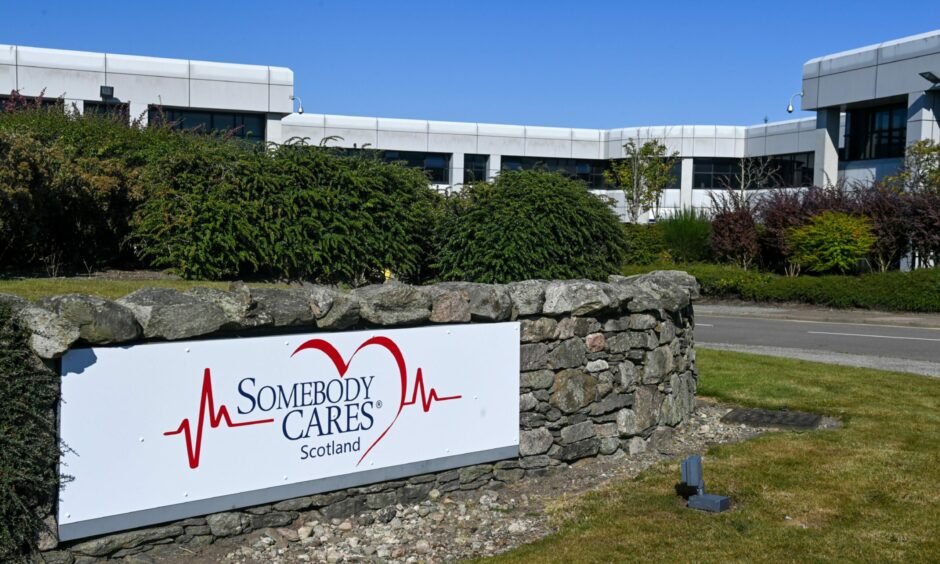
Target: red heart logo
342 366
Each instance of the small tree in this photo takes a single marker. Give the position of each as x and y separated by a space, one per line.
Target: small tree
920 171
642 174
889 212
831 241
753 173
925 227
734 235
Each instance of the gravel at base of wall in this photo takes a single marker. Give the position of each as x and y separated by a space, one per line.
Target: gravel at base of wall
605 368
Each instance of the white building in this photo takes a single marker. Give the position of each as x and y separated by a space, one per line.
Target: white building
870 103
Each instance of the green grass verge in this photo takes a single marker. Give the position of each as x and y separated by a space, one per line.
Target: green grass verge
36 288
865 492
893 291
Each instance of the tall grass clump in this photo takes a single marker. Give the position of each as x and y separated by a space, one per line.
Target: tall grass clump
685 235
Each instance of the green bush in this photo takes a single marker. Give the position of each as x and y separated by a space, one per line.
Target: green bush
28 480
69 185
918 290
299 212
59 208
347 219
529 224
644 243
831 241
685 235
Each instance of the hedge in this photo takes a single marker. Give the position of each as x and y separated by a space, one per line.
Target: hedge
917 291
28 483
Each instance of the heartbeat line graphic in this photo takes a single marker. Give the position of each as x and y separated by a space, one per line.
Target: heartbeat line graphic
426 399
215 418
342 366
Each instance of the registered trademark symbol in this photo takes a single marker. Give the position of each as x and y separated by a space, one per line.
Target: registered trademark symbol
378 404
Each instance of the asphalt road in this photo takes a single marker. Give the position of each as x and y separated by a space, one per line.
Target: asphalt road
888 347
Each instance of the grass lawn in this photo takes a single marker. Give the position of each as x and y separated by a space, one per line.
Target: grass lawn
869 491
35 288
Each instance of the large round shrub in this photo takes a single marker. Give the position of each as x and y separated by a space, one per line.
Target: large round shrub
529 224
347 219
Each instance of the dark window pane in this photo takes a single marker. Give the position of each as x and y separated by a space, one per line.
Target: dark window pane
244 125
790 170
474 167
104 109
875 133
591 171
712 173
223 122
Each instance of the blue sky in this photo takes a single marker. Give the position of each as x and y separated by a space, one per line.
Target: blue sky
575 64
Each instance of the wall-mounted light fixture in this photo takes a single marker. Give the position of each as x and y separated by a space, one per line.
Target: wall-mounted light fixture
300 103
790 105
931 78
106 92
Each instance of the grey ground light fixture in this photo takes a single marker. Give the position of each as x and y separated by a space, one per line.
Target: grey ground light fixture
693 487
790 105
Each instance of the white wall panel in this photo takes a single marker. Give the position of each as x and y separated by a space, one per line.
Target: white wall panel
451 143
279 98
351 122
780 144
535 147
7 54
351 136
497 130
234 95
7 79
149 89
68 83
314 134
703 147
490 145
402 141
60 59
724 147
587 150
228 72
452 127
147 66
281 75
402 125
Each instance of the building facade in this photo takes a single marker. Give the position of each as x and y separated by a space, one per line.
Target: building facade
870 103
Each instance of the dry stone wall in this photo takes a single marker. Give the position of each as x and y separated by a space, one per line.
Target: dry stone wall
605 367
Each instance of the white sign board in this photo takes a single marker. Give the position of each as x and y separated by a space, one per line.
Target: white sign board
170 430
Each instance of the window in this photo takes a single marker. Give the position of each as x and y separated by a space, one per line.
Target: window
676 176
437 165
591 171
710 173
18 102
474 168
792 170
105 109
876 133
244 125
